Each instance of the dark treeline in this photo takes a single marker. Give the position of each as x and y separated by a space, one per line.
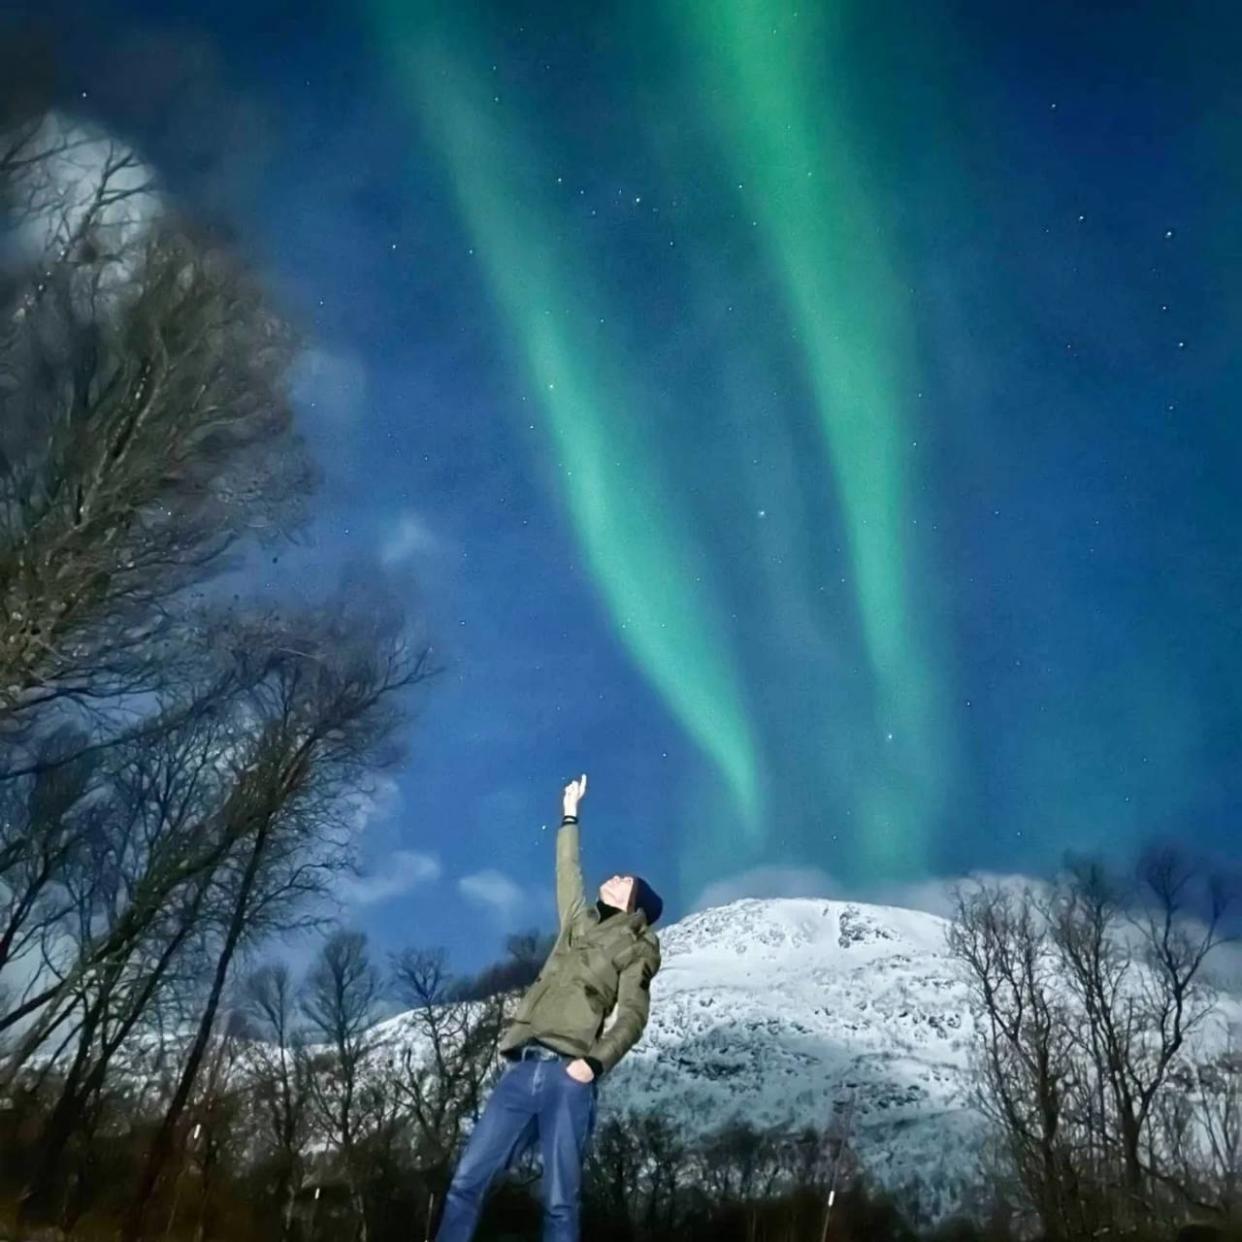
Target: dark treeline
180 766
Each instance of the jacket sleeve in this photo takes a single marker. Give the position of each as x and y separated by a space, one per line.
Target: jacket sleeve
570 899
633 1008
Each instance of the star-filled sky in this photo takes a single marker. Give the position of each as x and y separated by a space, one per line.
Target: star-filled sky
816 421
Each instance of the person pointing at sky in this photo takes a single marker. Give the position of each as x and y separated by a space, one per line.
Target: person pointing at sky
602 963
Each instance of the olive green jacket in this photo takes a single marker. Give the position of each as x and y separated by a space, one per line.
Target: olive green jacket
594 967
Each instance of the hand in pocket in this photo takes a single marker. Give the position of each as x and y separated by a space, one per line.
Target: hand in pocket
580 1071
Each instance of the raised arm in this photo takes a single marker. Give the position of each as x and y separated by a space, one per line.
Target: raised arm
570 895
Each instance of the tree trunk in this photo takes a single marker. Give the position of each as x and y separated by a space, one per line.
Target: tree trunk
57 1131
162 1143
361 1208
79 1088
288 1200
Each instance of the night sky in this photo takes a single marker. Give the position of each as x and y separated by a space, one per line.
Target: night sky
816 421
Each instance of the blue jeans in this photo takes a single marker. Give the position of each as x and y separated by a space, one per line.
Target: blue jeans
534 1099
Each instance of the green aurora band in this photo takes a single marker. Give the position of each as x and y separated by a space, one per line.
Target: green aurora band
643 564
770 85
766 97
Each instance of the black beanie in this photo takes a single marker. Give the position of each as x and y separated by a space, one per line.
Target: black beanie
647 900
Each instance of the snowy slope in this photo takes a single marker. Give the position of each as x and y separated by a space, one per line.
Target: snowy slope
776 1011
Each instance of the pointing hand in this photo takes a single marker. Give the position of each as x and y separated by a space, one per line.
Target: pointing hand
574 792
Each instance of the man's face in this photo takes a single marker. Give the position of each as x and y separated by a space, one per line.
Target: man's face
618 892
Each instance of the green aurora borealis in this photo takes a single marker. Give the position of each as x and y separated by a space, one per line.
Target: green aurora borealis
795 152
623 509
815 419
608 415
724 285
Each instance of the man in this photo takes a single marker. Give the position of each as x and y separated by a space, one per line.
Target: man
604 959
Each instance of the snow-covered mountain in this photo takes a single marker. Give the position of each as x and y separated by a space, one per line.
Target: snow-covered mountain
777 1011
780 1012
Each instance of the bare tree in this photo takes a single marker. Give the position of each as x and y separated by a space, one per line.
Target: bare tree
216 832
41 827
152 840
614 1164
1197 1129
444 1070
319 718
1026 1042
1092 1002
138 892
280 1076
646 1179
144 429
666 1161
342 991
216 1130
1135 966
173 776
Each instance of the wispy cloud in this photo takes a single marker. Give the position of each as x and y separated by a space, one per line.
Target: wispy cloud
496 892
376 803
409 536
399 873
330 383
